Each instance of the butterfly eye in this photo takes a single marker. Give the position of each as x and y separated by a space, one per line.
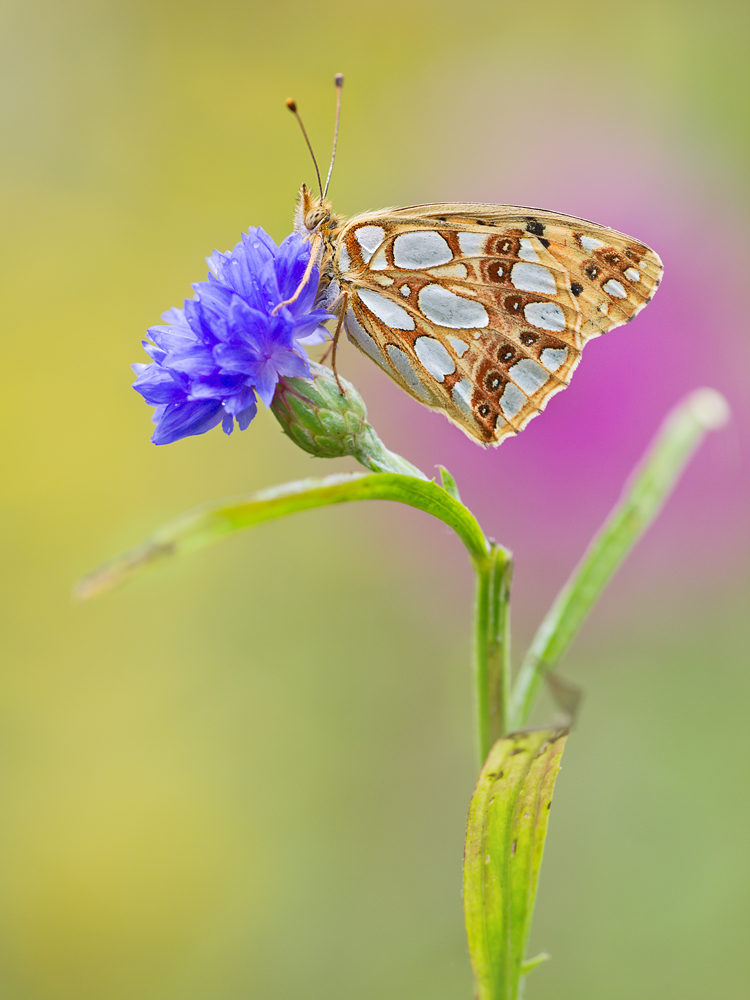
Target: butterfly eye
314 217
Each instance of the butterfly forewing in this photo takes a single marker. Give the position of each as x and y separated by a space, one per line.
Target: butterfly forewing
483 310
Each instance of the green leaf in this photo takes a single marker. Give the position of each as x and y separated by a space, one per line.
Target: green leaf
531 963
448 483
213 521
645 494
504 844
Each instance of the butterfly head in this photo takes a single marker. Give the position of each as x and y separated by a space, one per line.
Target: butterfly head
314 215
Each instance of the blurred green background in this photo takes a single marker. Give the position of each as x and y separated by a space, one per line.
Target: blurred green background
247 774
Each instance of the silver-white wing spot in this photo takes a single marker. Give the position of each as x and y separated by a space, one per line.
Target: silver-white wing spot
379 261
459 346
512 400
423 248
532 278
361 337
402 363
345 261
545 315
590 244
613 287
472 243
462 392
445 308
390 312
369 239
526 251
528 375
632 275
434 357
553 357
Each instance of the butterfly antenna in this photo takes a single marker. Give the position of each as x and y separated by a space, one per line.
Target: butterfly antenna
339 81
292 105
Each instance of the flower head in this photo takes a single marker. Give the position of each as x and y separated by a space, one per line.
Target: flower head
227 345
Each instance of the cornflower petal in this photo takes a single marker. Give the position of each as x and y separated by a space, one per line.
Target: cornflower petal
157 386
184 419
210 359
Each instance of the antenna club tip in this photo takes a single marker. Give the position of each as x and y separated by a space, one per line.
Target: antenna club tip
291 104
339 79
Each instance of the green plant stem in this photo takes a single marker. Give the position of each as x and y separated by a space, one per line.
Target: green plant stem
650 485
491 646
213 521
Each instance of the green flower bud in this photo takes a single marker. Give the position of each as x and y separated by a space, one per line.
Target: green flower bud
317 416
329 423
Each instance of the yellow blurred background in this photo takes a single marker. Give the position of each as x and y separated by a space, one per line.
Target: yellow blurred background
247 774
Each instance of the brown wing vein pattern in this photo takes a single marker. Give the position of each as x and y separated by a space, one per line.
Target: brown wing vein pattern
482 311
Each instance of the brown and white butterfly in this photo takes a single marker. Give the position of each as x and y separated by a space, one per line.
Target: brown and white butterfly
480 311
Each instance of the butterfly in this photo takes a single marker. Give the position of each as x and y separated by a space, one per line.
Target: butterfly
480 311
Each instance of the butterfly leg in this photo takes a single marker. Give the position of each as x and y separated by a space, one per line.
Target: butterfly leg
341 297
317 242
335 342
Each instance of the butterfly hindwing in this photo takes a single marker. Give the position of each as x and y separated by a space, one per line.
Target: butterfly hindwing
482 311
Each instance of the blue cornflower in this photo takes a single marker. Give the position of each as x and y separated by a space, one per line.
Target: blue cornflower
211 359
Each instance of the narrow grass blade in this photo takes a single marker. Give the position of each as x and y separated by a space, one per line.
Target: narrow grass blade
651 483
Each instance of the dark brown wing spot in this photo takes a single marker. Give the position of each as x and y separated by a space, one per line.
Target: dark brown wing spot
575 288
513 303
495 271
505 246
590 269
545 243
483 410
505 353
535 227
529 338
494 381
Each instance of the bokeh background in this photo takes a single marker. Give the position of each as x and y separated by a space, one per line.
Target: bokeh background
247 774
